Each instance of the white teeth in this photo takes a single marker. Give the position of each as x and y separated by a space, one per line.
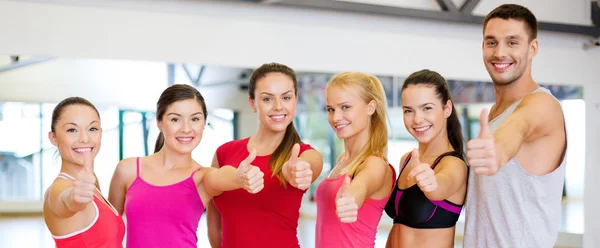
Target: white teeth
277 117
341 126
421 129
184 139
501 65
82 149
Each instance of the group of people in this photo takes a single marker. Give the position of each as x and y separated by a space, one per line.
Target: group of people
508 179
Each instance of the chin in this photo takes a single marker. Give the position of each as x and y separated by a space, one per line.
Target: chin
279 127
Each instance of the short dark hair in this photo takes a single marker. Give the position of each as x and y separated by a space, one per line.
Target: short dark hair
517 12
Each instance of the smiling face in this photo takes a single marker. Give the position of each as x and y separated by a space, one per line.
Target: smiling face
507 50
77 133
348 114
275 101
425 116
182 125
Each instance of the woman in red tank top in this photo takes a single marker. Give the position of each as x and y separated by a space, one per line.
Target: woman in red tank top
269 218
75 211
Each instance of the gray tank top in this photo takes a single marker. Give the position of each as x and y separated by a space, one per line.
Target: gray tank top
513 208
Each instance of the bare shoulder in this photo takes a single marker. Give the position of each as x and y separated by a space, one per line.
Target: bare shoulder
201 171
375 165
542 106
127 168
451 162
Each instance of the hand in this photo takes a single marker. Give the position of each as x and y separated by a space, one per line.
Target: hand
345 204
422 173
85 183
299 171
249 176
481 151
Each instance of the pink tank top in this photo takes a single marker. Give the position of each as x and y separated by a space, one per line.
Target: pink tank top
162 216
331 232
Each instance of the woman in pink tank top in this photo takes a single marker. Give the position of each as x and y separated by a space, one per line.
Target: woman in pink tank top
75 211
163 195
350 201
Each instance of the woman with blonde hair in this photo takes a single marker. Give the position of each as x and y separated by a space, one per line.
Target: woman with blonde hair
350 201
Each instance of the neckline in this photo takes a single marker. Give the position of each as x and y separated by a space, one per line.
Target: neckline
104 201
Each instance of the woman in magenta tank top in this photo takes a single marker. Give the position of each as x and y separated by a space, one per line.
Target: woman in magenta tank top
163 195
432 183
76 213
269 218
350 201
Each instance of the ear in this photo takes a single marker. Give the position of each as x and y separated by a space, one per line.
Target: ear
533 48
448 109
52 138
159 124
371 107
251 103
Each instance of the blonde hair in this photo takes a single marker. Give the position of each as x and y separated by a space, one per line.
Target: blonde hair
369 88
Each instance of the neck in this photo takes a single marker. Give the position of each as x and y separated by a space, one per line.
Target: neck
436 147
265 141
171 159
354 145
508 94
71 168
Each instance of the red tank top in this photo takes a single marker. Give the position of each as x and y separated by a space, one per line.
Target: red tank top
263 220
105 231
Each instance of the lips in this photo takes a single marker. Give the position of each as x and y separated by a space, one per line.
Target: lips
421 130
184 140
277 118
82 149
341 126
503 66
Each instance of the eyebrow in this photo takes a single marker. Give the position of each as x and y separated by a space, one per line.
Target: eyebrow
512 36
197 113
339 104
266 93
74 124
422 105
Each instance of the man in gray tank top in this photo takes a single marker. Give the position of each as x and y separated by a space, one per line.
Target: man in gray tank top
517 160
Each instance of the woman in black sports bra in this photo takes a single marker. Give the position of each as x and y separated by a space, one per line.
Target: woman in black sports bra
432 183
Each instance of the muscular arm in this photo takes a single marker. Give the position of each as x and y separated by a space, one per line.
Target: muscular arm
537 115
214 217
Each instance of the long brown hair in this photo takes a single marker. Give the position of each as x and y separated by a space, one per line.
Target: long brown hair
434 79
284 150
60 109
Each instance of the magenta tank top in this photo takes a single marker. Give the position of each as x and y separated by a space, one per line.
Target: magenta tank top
162 216
331 232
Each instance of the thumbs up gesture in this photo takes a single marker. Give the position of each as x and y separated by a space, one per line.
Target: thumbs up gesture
481 151
345 204
250 176
299 170
422 173
85 183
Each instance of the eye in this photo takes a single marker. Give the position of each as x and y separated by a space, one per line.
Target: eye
330 110
94 129
427 108
345 107
195 119
513 43
174 119
71 130
267 99
287 98
491 43
406 111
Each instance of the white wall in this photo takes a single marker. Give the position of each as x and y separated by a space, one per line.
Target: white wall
244 35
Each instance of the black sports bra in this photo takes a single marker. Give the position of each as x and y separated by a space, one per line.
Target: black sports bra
412 208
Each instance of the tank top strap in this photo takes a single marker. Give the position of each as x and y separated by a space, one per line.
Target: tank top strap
137 167
194 172
64 175
405 163
438 159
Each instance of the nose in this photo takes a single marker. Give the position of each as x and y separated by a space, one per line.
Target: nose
500 52
277 105
84 137
417 118
186 127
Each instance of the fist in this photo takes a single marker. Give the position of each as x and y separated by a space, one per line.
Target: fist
481 151
345 204
299 170
422 173
250 177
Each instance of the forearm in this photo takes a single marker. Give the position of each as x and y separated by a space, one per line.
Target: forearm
446 187
223 179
